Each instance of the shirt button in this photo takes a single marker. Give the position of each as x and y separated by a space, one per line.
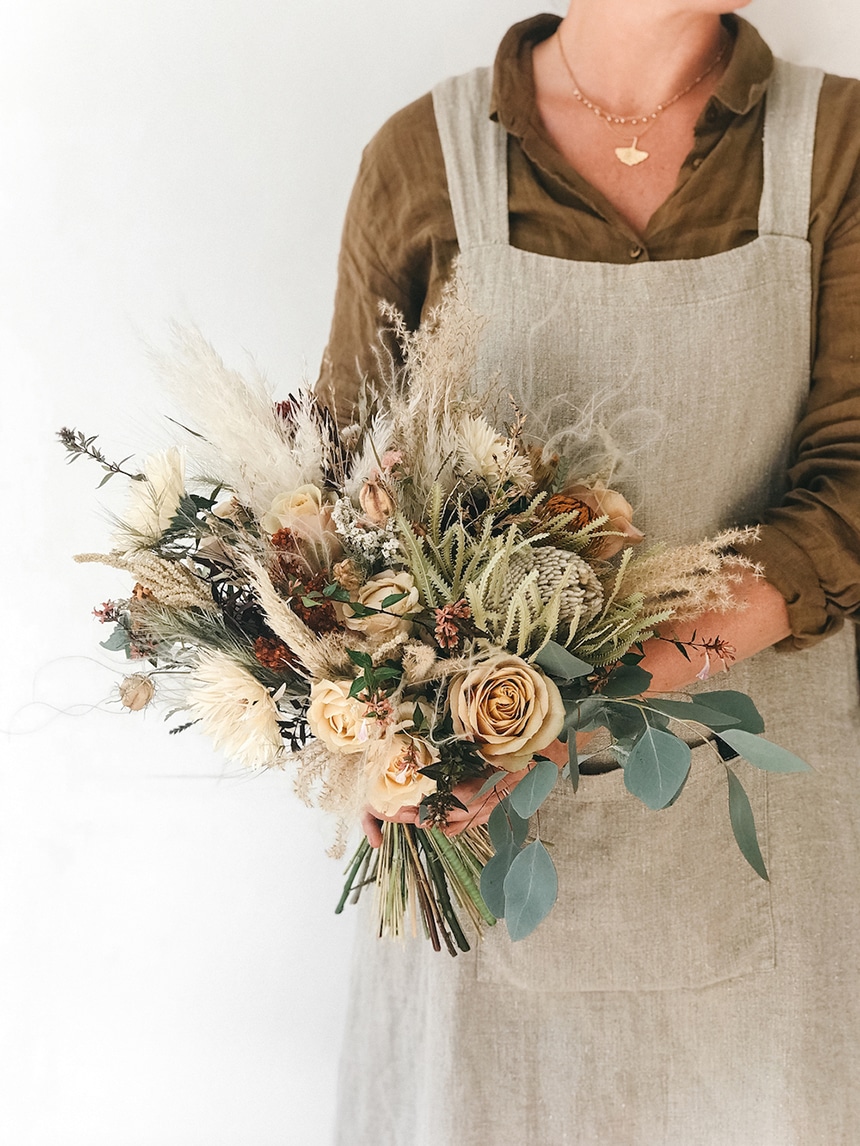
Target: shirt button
698 161
635 252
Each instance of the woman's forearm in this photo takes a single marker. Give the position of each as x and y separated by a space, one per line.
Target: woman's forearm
760 620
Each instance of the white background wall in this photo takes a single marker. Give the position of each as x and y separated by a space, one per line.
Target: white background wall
171 973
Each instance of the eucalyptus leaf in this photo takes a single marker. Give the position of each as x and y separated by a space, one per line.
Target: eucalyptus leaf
736 704
534 788
697 713
628 680
657 767
531 889
585 715
489 784
506 826
499 826
493 878
117 642
763 753
561 664
743 825
573 763
624 720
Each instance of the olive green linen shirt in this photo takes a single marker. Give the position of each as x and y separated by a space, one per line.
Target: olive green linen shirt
399 245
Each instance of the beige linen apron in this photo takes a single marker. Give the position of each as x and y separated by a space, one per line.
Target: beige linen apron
672 998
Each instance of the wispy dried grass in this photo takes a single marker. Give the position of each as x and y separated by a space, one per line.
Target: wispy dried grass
692 579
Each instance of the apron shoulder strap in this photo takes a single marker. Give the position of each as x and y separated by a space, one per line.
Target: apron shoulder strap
789 141
475 151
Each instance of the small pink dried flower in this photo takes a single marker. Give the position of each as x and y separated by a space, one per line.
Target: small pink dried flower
447 627
107 614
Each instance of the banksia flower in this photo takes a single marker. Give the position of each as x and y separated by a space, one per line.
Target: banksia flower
582 594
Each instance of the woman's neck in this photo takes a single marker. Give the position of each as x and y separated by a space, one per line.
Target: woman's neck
628 56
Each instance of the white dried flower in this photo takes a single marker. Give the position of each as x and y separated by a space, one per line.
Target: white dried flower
497 459
153 503
236 711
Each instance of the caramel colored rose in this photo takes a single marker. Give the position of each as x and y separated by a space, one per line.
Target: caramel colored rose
393 777
336 718
508 708
608 503
395 618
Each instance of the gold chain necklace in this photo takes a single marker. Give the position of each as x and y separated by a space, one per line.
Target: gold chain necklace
632 155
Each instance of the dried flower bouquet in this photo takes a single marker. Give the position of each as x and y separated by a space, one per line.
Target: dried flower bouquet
413 602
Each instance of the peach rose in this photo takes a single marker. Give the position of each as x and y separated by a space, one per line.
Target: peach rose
393 777
373 593
337 718
508 708
608 503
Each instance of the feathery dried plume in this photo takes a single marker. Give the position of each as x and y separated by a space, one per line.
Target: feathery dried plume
692 579
242 437
170 582
427 415
235 710
330 781
324 656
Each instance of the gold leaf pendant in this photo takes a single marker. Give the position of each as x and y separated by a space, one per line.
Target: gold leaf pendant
631 155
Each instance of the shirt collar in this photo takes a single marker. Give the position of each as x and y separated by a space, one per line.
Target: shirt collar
743 85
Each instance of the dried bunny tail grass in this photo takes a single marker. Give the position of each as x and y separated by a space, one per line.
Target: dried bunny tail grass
242 438
170 582
692 579
323 656
419 662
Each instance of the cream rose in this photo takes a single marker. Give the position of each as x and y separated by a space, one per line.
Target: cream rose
305 513
509 709
608 503
372 593
393 776
287 509
337 718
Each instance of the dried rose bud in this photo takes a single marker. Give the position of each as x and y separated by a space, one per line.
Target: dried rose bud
136 691
376 502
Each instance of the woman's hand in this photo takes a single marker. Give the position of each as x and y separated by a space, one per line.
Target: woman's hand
478 809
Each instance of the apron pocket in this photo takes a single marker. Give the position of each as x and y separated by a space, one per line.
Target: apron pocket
648 901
